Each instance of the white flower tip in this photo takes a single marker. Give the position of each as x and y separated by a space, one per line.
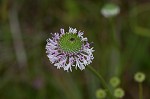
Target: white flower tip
84 39
110 10
62 31
71 30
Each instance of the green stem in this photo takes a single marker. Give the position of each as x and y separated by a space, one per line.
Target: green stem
115 67
101 79
113 33
140 91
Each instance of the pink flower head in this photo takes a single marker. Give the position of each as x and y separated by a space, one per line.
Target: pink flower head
68 49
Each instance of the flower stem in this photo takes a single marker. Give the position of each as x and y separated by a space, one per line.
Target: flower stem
115 41
103 82
115 68
140 91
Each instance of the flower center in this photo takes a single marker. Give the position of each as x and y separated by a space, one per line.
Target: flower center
72 39
70 43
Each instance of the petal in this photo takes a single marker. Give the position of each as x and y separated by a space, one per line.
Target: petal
52 58
80 34
61 63
62 31
71 30
67 67
51 41
84 39
79 64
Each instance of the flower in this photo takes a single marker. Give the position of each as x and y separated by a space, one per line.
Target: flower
68 49
119 93
139 77
114 81
100 94
110 10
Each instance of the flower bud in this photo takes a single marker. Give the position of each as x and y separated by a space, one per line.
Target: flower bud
110 10
139 77
114 81
101 94
119 93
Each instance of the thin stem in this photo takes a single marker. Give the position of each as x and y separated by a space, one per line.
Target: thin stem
113 33
101 79
115 67
140 91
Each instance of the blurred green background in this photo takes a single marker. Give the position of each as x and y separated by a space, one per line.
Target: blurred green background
25 71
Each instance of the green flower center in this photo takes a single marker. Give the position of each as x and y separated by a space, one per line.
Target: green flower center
70 42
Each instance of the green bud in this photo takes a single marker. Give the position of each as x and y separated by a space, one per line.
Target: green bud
101 94
110 10
139 77
114 81
119 93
